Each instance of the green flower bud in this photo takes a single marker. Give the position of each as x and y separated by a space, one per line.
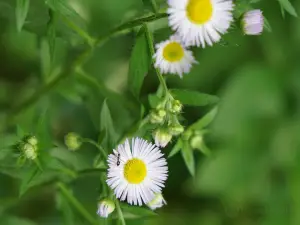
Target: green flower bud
158 116
32 140
176 129
73 141
29 150
196 141
157 202
105 207
162 137
176 106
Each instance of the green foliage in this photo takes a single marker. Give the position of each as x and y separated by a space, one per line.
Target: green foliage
22 8
287 6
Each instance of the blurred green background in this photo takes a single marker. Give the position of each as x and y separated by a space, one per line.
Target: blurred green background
253 175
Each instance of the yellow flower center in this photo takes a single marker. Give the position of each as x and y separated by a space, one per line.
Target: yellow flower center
135 171
173 52
199 11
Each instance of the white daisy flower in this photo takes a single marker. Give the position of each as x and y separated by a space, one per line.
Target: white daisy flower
137 171
157 202
253 22
172 57
105 207
200 22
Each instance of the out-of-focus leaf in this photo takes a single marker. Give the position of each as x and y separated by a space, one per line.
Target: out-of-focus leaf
51 32
205 120
177 147
21 12
107 125
139 63
31 174
12 220
267 25
64 206
194 98
188 157
134 212
288 7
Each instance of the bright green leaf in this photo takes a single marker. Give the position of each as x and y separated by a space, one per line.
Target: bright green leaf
205 120
154 100
139 63
288 7
194 98
22 8
188 157
177 147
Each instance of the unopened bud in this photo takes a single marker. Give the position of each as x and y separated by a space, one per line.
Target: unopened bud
176 129
32 140
196 141
73 141
157 202
29 150
176 106
162 137
105 207
158 116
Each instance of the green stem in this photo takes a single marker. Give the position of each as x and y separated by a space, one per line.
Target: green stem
79 61
152 52
79 31
76 203
120 213
102 151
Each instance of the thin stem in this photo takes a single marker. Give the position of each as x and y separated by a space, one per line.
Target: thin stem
79 61
76 203
152 52
102 151
79 31
120 213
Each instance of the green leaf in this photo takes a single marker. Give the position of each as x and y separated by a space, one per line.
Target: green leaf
11 220
30 175
154 100
22 8
139 63
288 7
51 32
188 157
62 7
177 147
205 120
134 212
194 98
267 25
64 206
107 125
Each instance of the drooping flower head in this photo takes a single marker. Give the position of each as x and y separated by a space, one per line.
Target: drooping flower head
200 22
173 57
137 171
253 22
105 207
157 202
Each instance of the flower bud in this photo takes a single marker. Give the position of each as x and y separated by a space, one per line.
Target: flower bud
32 140
196 141
176 106
253 22
29 150
73 141
157 202
162 137
158 116
105 207
176 129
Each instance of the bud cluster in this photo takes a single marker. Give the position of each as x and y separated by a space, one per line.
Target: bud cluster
29 147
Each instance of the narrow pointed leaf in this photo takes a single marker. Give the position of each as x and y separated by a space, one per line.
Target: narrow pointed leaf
194 98
188 157
22 9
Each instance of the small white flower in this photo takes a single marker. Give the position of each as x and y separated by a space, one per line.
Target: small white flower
253 22
137 170
105 207
162 138
200 22
157 202
172 57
